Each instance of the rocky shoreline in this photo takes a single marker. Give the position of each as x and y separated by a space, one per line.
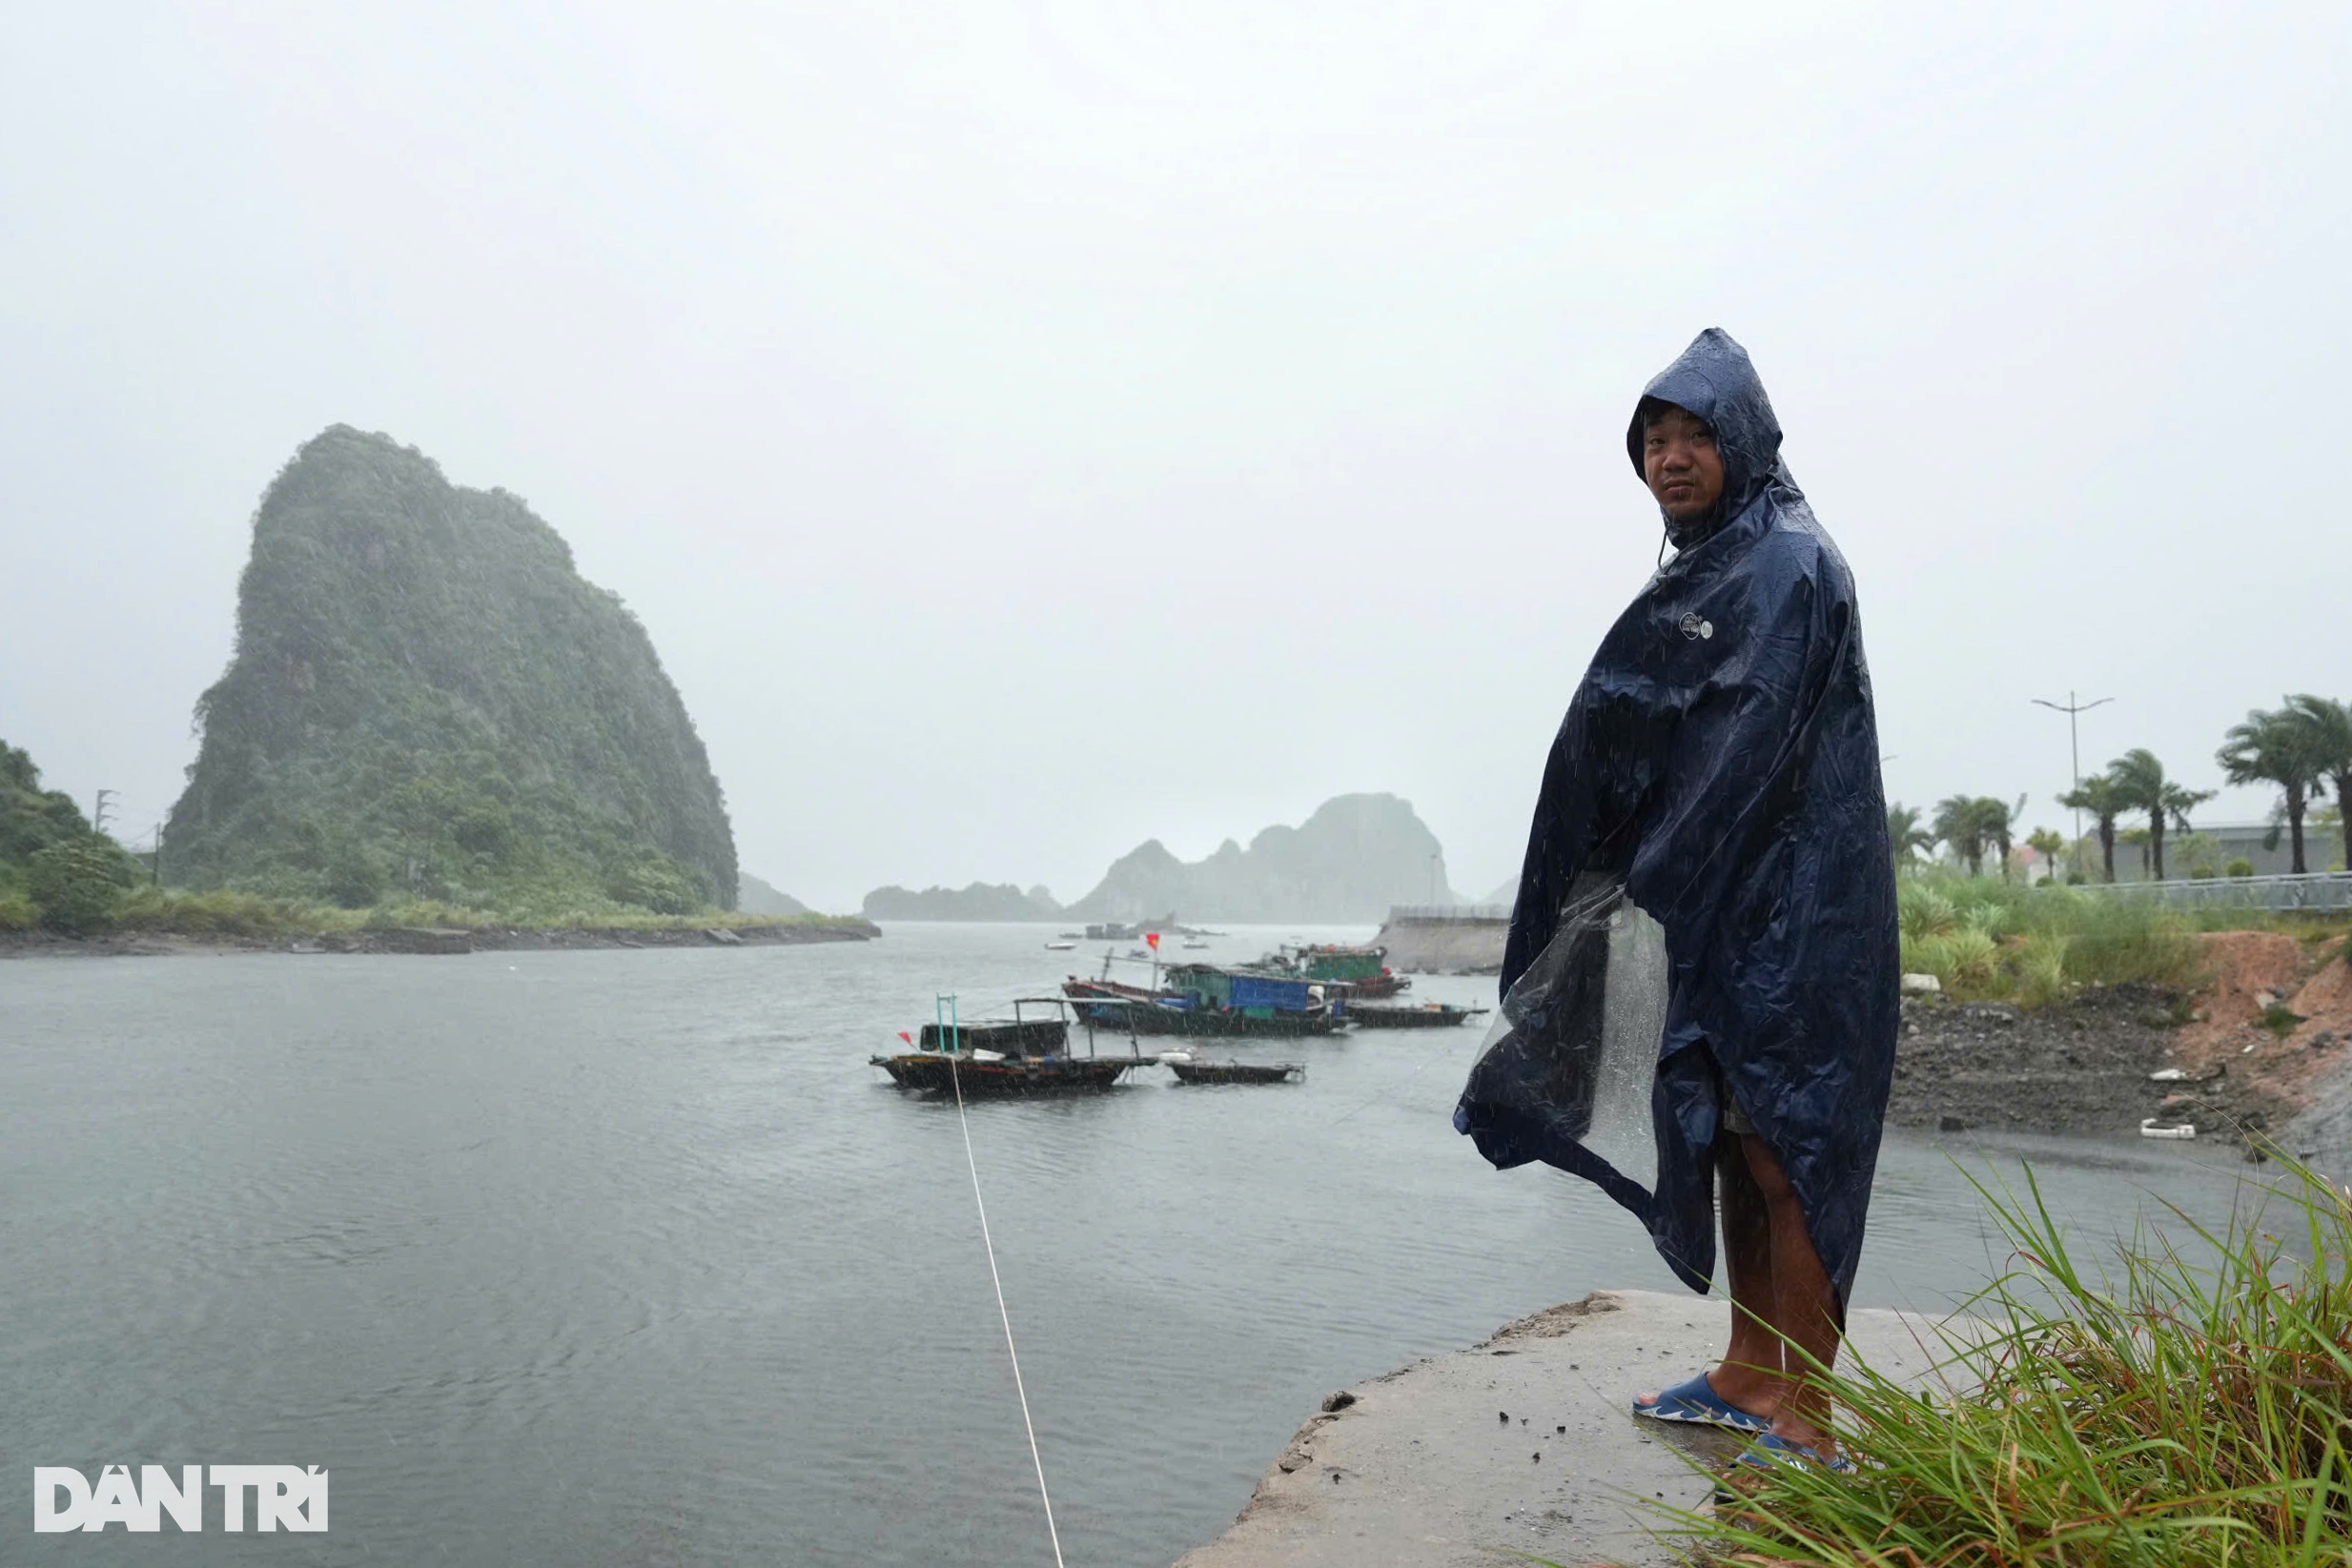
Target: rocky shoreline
2244 1055
430 940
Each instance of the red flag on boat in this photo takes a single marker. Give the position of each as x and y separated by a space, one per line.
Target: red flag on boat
903 1035
1153 937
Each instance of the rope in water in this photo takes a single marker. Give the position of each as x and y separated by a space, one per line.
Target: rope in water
956 1077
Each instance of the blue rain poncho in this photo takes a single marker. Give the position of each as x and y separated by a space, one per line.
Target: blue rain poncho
1717 774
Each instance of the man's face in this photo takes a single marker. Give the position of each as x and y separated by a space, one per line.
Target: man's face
1679 462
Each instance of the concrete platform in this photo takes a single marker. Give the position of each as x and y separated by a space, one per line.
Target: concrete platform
1437 1465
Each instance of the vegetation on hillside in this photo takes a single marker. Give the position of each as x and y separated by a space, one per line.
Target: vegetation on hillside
427 702
55 874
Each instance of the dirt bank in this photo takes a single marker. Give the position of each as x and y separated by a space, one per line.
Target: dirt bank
425 940
2084 1065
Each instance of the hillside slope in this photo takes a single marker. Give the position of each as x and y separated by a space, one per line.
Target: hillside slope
428 698
1349 862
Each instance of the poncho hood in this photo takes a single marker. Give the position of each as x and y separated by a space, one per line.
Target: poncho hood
1706 908
1715 380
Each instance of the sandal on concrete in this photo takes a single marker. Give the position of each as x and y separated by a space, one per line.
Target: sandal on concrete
1772 1449
1699 1404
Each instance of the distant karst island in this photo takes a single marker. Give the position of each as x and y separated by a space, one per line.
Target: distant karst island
431 723
1346 864
427 698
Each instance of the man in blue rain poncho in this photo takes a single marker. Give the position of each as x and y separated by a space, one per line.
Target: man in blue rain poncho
1718 772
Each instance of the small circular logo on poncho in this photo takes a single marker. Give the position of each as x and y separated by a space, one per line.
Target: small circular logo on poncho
1695 628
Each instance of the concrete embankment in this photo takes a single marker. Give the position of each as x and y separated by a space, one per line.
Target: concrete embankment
1423 946
1522 1443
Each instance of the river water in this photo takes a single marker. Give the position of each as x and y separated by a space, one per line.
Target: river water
630 1257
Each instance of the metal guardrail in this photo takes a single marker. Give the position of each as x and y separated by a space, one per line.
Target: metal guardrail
2312 890
1450 912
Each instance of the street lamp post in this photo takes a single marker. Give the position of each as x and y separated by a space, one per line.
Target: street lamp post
2074 751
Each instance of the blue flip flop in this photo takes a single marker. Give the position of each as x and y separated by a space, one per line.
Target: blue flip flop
1772 1449
1698 1404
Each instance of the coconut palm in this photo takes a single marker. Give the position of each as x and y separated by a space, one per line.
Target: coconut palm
1960 825
1905 834
2142 780
2046 842
2329 726
2276 749
2098 795
1998 821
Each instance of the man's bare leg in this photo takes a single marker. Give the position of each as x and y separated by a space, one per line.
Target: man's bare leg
1748 1378
1750 1374
1805 1309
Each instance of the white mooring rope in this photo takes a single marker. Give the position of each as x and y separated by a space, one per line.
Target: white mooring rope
1018 1387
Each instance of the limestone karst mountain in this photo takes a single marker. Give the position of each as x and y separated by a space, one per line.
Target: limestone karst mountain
426 698
1349 862
979 901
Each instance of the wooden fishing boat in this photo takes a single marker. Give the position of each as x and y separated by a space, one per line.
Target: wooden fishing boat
1194 1069
1112 990
1428 1015
987 1075
1000 1056
1362 969
1204 1023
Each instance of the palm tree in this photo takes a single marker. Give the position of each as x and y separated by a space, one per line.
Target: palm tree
2139 777
1962 830
1903 832
1997 820
2098 795
2329 724
2046 842
2276 748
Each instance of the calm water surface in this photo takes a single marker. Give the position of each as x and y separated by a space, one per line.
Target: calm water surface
630 1257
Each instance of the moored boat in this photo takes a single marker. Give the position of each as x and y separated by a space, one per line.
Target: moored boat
1362 969
1428 1015
1194 1069
1201 1023
1204 1001
1000 1056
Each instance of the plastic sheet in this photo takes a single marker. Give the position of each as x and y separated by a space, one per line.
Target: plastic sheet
1717 769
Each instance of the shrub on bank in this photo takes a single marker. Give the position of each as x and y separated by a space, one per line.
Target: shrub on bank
77 886
1985 938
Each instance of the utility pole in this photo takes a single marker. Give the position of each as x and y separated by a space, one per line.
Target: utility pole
158 854
2074 752
98 817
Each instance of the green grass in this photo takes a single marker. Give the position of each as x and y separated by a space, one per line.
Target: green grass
2189 1409
1987 939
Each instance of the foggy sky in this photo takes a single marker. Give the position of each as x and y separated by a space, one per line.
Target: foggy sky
1025 430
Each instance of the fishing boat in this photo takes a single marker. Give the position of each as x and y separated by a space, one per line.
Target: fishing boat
1060 947
1194 1069
1203 1002
1167 1017
1112 990
1428 1015
1000 1056
1362 969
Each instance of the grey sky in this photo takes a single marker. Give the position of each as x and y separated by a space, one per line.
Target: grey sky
1030 429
